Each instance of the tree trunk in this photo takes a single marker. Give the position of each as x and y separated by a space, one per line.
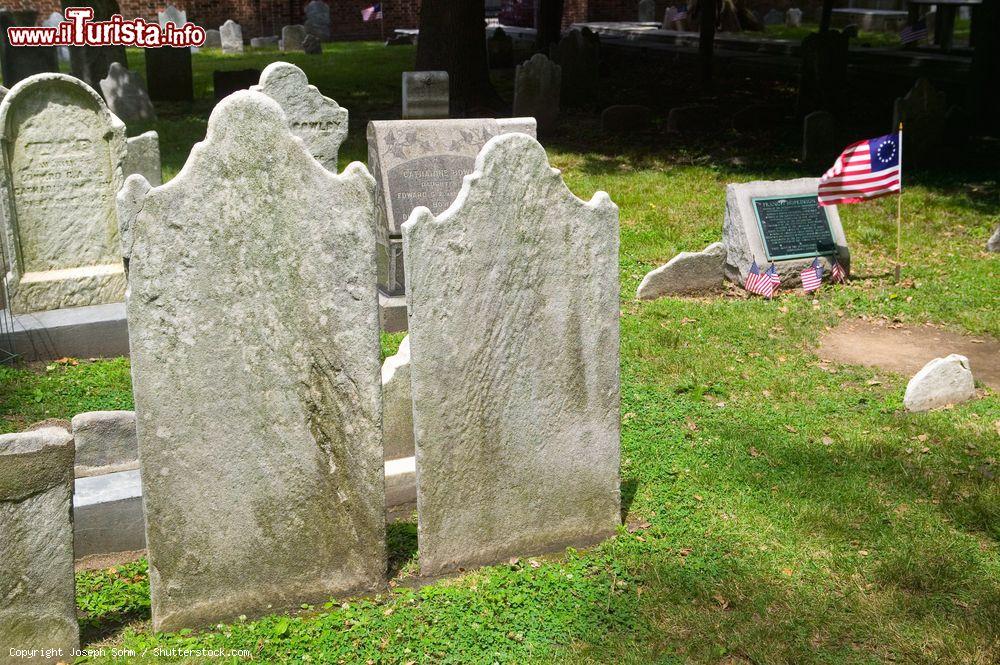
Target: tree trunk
548 24
825 16
453 39
707 10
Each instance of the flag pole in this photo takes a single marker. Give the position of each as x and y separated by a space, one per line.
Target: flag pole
381 23
899 205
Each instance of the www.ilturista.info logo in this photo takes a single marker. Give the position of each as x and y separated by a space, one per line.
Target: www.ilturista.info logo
80 30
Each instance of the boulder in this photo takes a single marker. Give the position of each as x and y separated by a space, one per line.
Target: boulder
685 274
942 381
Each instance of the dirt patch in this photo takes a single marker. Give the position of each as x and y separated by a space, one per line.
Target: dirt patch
905 349
99 561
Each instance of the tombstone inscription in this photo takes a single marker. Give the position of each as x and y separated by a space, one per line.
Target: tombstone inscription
793 227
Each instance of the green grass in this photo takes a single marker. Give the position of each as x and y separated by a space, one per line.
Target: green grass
777 509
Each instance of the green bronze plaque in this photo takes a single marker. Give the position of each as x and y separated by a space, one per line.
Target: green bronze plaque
793 227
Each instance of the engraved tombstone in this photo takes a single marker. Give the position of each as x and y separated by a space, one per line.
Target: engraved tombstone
537 84
578 53
781 222
91 63
64 152
291 37
253 328
513 319
126 96
318 19
18 62
425 95
319 121
232 37
172 14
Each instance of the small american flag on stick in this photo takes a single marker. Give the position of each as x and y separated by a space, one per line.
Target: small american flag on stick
812 276
913 32
758 282
772 274
837 273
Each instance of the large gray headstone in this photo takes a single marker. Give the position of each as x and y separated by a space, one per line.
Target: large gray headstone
17 62
65 152
578 53
319 121
126 96
291 37
54 19
537 84
647 11
231 35
37 586
253 328
513 320
425 95
91 63
422 163
746 220
318 19
143 157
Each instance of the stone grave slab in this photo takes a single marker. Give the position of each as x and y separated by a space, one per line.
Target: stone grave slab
126 96
169 74
291 37
537 84
317 21
232 37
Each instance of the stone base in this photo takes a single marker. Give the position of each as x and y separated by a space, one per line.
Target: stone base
95 331
107 514
392 312
400 481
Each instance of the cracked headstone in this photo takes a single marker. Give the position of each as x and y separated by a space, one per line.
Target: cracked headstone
425 95
940 382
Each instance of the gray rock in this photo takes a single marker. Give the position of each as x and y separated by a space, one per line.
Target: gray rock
685 274
65 151
18 63
318 19
38 611
537 84
397 413
579 55
91 63
626 119
821 143
942 381
265 42
126 96
319 121
231 35
291 37
647 11
253 327
425 95
311 45
993 244
515 381
793 17
213 39
105 442
143 157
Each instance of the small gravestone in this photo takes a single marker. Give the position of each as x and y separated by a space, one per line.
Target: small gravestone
17 62
537 84
172 14
232 37
782 222
126 96
54 19
319 121
65 152
793 17
688 273
255 371
425 95
265 42
647 11
312 45
105 442
626 119
924 114
821 142
670 20
143 157
422 163
397 408
318 19
37 582
500 49
578 53
91 63
213 39
226 82
169 74
940 382
774 17
515 382
291 37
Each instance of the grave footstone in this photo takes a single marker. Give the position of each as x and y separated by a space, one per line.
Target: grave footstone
319 121
255 367
924 112
37 582
782 222
513 308
312 45
317 21
578 53
993 244
91 63
226 82
65 152
397 416
105 442
537 84
647 11
54 19
688 273
143 157
213 39
126 96
425 95
500 49
18 62
291 37
232 37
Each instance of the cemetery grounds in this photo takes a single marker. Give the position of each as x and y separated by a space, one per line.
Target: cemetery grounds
777 508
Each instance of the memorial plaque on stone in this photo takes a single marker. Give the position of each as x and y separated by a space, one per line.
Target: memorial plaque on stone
793 227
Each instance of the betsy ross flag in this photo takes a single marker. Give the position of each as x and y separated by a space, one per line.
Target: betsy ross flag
758 282
372 13
913 32
682 13
837 273
812 276
865 170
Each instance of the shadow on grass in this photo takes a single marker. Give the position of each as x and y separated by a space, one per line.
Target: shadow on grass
402 543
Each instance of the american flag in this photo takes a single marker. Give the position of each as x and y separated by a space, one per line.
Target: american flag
758 282
373 12
837 273
865 170
682 13
812 276
772 274
913 32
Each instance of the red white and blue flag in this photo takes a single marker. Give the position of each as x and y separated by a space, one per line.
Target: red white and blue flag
812 276
837 273
913 32
758 282
372 13
682 13
772 274
865 170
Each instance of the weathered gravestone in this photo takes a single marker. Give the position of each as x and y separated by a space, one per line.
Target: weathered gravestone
993 244
781 222
291 37
319 121
500 49
425 95
232 37
626 118
226 82
397 415
91 63
537 84
513 308
265 42
793 17
422 163
172 14
312 45
687 273
823 78
647 11
255 362
213 39
924 113
54 19
126 96
317 21
19 62
37 586
143 157
578 53
65 152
